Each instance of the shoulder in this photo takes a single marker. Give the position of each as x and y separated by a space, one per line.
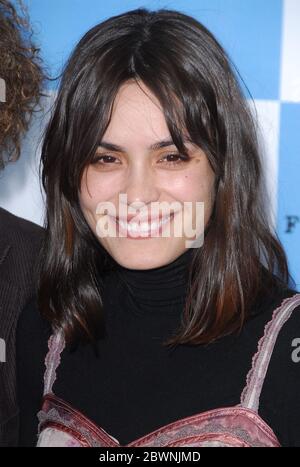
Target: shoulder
16 229
280 399
32 329
286 324
31 349
32 336
282 327
285 359
20 243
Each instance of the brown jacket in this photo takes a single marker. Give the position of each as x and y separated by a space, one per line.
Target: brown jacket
20 242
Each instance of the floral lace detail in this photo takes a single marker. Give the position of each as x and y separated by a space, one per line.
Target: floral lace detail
54 416
233 426
228 426
192 433
56 344
260 361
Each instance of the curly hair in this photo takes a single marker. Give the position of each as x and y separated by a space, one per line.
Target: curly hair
21 72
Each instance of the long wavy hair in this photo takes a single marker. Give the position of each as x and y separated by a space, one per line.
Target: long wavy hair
22 70
189 72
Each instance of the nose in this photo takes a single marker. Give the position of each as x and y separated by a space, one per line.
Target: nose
141 187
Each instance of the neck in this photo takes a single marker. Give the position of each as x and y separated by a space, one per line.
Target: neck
161 289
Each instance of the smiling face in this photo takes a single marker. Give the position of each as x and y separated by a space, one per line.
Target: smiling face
127 163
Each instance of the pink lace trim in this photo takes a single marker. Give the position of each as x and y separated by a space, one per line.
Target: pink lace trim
56 344
235 426
260 361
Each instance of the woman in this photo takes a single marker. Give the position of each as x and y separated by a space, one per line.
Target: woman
151 342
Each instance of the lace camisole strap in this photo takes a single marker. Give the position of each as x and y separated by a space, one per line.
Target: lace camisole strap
56 344
260 362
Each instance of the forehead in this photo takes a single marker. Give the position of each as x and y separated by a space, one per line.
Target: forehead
137 118
138 121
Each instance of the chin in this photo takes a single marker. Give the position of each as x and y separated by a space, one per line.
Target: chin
141 261
149 255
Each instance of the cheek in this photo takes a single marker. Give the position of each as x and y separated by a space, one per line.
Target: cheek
196 186
193 187
93 190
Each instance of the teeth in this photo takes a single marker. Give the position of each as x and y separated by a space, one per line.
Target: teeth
143 226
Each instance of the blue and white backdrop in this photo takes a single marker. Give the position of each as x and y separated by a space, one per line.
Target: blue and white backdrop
263 40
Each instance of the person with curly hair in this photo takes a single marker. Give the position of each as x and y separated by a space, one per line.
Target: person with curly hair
21 74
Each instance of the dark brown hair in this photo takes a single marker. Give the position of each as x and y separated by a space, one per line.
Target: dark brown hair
182 63
21 70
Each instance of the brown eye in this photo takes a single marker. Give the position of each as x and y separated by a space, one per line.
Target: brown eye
104 159
175 159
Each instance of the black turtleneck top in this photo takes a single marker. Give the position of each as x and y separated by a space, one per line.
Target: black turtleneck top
135 384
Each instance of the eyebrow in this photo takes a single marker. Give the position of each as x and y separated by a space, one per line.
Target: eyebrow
153 147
